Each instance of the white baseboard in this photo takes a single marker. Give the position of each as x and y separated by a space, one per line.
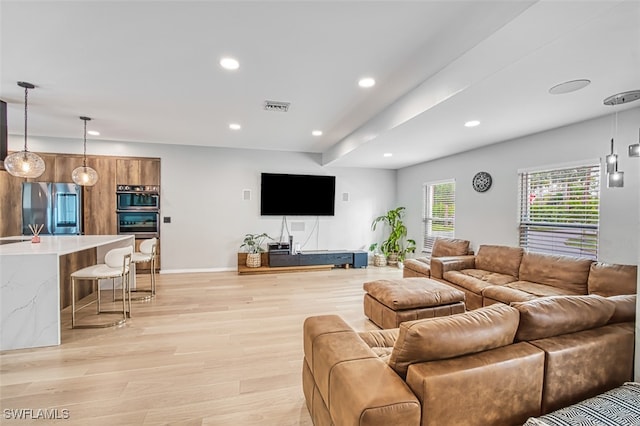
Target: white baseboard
196 270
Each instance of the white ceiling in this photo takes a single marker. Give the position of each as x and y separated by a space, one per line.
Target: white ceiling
147 71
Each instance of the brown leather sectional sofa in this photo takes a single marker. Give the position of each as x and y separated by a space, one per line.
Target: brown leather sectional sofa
497 365
503 274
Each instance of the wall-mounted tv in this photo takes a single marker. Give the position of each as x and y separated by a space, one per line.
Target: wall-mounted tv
297 195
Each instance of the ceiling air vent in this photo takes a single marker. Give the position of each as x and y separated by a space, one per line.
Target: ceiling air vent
276 106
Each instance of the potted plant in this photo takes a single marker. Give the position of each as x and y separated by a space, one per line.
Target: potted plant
253 246
397 245
379 259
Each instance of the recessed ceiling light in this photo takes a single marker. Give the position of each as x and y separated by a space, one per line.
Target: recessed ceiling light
317 133
229 63
235 126
569 86
93 132
387 154
472 123
366 82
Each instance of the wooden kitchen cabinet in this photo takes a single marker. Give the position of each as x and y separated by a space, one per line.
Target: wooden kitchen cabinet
100 199
139 171
58 167
49 174
10 205
64 166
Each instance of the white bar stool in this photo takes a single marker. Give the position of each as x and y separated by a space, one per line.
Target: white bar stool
116 264
146 254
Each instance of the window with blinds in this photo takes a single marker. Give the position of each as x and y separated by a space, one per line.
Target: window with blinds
439 212
560 210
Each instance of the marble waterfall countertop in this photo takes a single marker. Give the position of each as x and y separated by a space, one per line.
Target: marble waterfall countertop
30 284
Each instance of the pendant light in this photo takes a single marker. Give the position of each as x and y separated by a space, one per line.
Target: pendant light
634 149
24 164
84 175
623 98
615 179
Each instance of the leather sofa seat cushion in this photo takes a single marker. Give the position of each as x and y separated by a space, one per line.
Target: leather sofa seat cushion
449 247
565 272
502 259
468 282
540 290
521 291
506 294
448 337
553 316
410 293
612 280
489 277
625 308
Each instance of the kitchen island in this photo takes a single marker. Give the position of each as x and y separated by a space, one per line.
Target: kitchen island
32 282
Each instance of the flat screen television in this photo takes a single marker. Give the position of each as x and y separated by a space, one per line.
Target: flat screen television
297 195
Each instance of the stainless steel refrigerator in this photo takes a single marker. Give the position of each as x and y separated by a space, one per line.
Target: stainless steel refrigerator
57 206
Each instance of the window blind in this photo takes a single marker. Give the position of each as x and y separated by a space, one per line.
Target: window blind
439 212
560 210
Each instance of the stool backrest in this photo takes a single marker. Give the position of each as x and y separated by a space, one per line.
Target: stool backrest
117 258
148 246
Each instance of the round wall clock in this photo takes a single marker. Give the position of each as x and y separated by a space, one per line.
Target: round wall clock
482 181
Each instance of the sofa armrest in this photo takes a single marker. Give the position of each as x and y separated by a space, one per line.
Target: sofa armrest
625 308
440 265
369 392
356 386
416 268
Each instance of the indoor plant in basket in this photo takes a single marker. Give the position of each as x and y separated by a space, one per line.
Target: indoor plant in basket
397 245
379 258
253 245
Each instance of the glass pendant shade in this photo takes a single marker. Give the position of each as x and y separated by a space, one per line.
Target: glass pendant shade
24 164
84 175
615 179
612 163
634 149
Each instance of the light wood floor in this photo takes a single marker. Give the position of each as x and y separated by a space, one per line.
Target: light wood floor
209 349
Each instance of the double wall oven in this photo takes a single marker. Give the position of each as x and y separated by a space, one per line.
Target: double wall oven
138 210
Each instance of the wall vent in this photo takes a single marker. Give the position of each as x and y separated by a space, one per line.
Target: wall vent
276 106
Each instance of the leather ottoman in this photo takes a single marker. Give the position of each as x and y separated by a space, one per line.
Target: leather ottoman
387 303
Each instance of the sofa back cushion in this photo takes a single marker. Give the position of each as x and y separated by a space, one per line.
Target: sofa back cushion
444 247
502 259
448 337
565 272
553 316
607 279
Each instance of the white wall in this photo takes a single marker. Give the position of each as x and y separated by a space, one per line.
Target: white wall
492 217
202 188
